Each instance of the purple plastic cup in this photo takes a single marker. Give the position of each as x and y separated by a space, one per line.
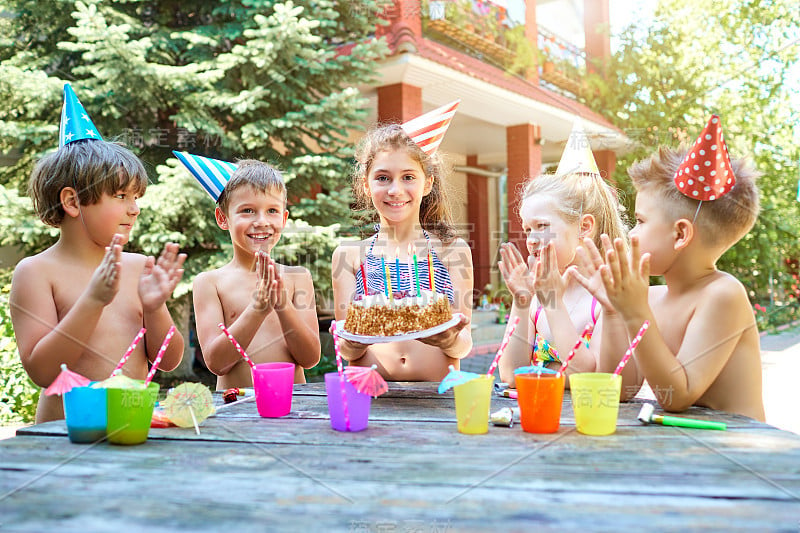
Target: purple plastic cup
273 386
357 404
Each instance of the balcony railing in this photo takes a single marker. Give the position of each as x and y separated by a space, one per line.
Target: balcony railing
562 64
481 29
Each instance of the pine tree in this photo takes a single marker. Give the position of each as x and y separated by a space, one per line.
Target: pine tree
263 79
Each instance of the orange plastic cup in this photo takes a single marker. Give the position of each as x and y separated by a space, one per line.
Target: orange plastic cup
539 397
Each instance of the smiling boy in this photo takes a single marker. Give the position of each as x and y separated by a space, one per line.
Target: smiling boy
269 308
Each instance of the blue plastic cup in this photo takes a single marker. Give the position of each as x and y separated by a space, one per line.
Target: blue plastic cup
85 412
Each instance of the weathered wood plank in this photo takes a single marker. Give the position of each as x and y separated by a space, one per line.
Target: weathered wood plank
410 470
203 486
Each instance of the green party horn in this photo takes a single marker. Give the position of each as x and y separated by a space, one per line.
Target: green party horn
647 415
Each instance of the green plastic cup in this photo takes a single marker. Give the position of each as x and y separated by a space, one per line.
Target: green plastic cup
130 412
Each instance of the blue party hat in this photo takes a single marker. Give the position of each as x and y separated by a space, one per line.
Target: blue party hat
75 122
212 174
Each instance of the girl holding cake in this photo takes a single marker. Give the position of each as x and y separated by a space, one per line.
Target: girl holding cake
558 212
414 272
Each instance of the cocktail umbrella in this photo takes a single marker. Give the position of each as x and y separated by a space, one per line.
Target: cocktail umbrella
455 377
188 404
65 381
534 369
366 380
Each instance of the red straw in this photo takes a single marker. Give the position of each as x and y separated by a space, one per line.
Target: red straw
160 354
507 337
237 346
340 370
363 277
129 351
633 345
586 331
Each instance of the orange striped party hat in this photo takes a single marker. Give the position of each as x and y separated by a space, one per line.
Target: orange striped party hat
428 130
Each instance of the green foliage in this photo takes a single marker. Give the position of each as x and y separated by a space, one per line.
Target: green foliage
261 79
311 247
666 80
18 394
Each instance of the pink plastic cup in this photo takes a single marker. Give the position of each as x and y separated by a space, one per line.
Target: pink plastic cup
357 404
273 386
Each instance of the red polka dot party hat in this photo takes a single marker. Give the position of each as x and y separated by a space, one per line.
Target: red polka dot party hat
706 173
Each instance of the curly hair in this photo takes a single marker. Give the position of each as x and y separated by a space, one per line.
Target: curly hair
434 213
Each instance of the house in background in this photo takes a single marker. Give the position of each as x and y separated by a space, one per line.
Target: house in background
515 114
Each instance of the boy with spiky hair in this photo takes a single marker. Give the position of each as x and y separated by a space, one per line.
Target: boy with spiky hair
702 347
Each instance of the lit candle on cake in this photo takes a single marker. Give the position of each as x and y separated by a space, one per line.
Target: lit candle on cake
416 269
431 279
397 266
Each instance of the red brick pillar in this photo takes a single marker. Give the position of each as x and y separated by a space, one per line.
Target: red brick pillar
597 27
399 102
606 163
524 156
478 220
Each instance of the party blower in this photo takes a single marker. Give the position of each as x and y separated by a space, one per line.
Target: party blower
647 416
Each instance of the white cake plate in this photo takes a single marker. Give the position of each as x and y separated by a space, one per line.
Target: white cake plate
369 339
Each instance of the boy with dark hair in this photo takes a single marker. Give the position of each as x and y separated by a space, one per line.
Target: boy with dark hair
83 300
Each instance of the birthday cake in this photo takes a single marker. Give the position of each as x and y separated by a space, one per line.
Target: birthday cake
376 315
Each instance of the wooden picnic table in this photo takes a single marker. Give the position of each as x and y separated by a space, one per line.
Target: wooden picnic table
409 471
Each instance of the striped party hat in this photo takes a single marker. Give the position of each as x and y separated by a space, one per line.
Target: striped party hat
577 157
428 130
75 122
212 174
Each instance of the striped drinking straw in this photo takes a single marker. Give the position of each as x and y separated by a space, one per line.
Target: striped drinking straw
237 346
506 338
633 345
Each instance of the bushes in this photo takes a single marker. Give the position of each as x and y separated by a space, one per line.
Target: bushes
18 394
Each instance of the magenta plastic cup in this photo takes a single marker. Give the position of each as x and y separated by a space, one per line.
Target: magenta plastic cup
273 386
357 404
85 413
